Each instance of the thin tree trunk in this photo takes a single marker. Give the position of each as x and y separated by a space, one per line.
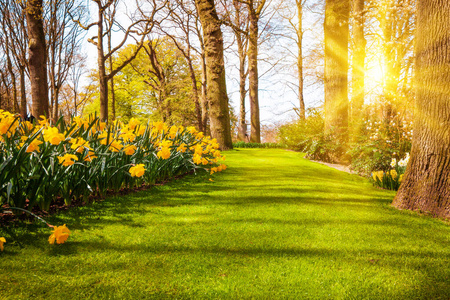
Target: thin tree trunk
198 109
215 73
255 135
242 128
102 78
37 58
204 98
426 184
358 63
300 59
23 93
111 80
336 66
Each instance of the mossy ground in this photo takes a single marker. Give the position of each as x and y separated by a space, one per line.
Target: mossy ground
272 226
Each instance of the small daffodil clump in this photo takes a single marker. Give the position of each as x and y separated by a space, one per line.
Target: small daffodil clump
392 178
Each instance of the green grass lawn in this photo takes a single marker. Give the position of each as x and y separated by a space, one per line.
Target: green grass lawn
272 226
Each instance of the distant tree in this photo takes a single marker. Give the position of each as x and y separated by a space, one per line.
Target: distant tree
426 185
255 9
358 63
63 43
236 17
106 18
15 38
215 73
336 65
181 26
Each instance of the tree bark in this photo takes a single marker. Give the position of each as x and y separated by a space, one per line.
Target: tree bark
253 84
336 66
37 58
426 184
299 31
215 73
358 63
23 93
204 98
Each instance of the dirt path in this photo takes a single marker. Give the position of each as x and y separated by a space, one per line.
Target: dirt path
339 167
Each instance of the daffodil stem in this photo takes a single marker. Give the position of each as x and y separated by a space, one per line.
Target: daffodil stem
27 211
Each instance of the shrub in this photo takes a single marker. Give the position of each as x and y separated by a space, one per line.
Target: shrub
308 136
256 145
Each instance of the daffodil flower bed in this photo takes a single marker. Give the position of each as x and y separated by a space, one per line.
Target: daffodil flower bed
392 178
43 161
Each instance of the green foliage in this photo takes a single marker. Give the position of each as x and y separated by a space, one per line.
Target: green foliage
379 141
308 136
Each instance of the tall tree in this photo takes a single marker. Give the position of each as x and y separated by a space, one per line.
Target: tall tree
255 8
215 73
236 17
15 29
358 62
184 20
426 185
37 57
336 65
106 17
63 42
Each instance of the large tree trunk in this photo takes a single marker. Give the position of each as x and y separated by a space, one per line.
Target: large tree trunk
37 59
255 131
336 66
102 78
215 72
299 31
358 63
426 185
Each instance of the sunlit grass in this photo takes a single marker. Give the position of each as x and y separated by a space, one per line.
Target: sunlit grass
273 226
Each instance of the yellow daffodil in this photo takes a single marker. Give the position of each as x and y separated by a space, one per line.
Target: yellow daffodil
199 135
53 136
2 241
393 174
128 136
165 144
60 234
34 146
197 159
133 123
181 148
164 153
67 159
173 132
79 144
160 126
129 150
198 149
43 121
115 146
191 130
137 170
90 156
